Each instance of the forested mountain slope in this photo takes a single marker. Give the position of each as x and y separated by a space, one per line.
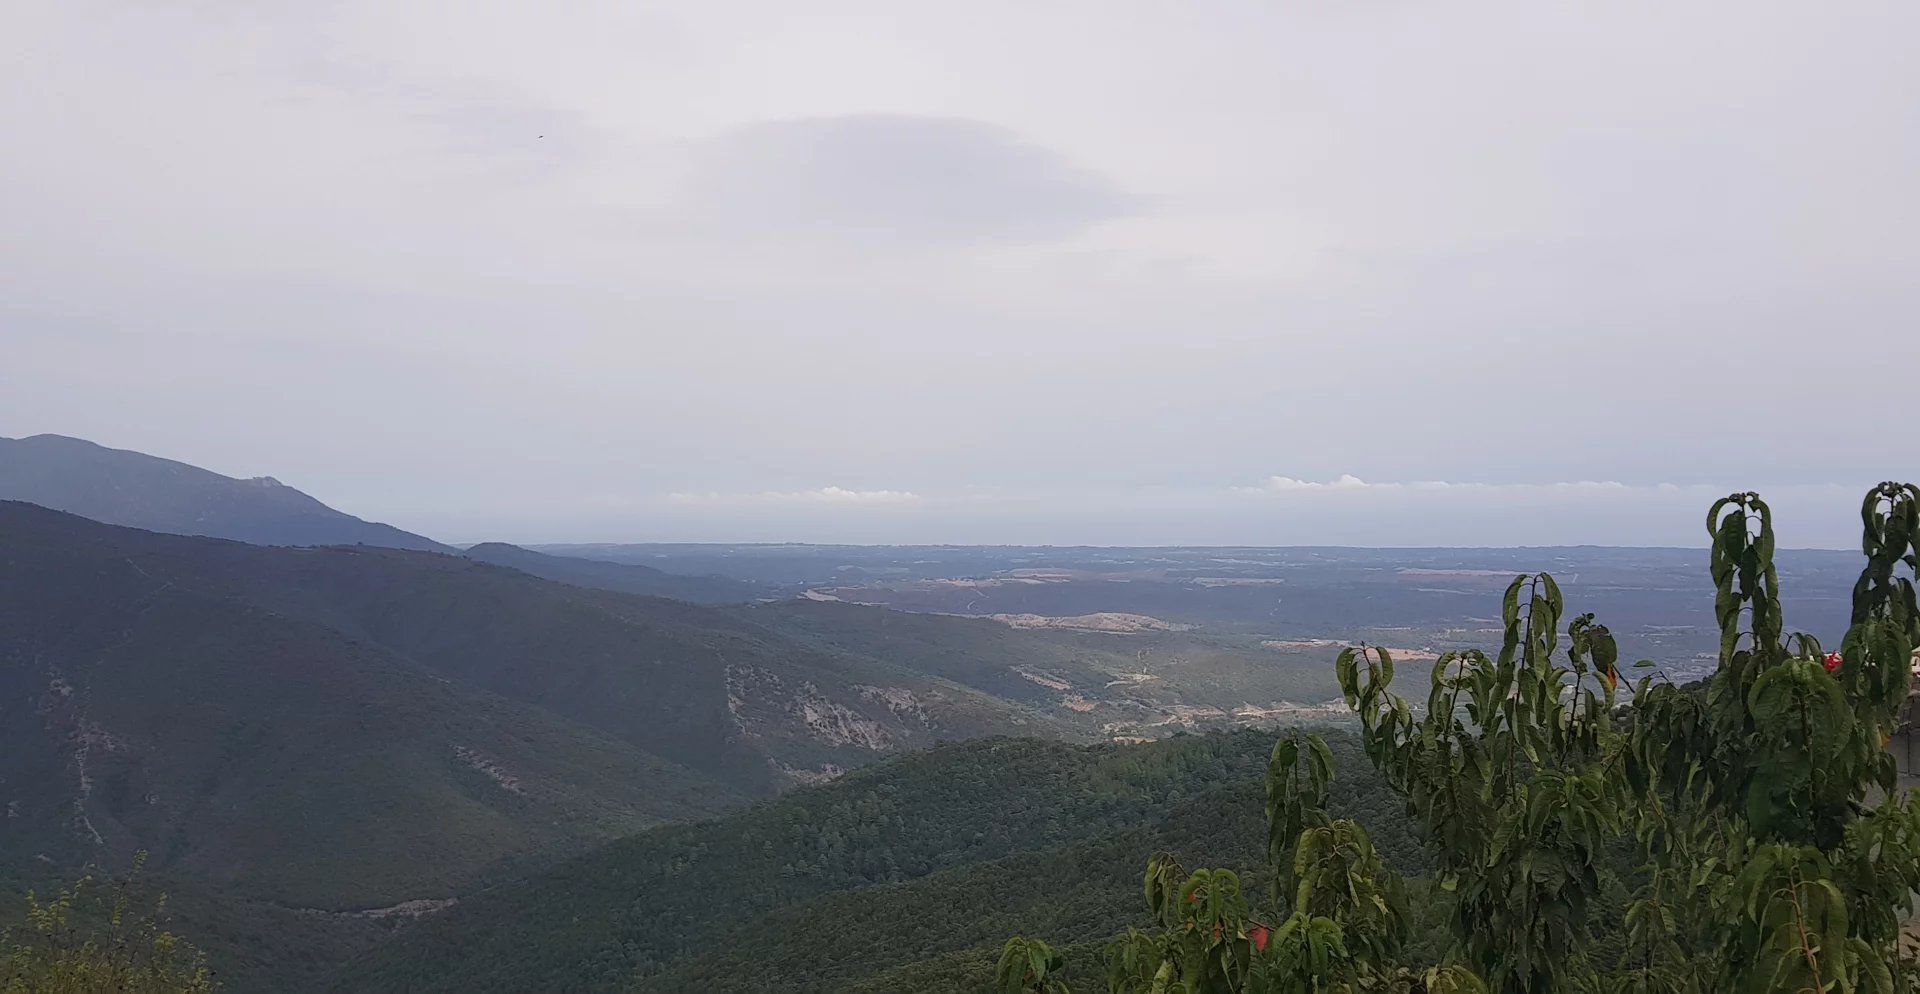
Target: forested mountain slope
931 859
145 703
347 727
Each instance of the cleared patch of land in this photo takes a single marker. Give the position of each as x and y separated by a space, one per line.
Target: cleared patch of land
1114 622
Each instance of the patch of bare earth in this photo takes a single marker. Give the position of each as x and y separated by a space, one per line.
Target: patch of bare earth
411 909
1043 679
1110 622
487 767
1402 654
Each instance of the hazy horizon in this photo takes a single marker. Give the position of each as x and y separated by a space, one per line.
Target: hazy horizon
1488 275
1822 518
1343 513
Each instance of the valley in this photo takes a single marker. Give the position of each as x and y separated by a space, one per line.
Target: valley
914 498
1290 601
415 767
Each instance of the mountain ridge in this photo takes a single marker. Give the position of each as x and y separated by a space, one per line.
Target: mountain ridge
137 490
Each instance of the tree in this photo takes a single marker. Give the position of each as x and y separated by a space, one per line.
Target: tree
1029 965
84 941
1752 818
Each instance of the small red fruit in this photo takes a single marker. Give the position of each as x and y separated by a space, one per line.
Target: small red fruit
1832 661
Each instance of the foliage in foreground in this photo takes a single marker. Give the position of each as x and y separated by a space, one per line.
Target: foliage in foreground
89 941
1770 848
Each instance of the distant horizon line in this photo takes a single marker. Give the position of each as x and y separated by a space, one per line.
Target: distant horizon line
538 546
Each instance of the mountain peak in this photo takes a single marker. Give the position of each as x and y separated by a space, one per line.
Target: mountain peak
48 438
124 487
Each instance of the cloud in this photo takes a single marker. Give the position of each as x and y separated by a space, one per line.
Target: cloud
896 178
817 496
1284 484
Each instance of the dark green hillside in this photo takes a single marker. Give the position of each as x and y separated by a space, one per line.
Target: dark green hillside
278 757
354 727
950 926
1083 889
927 855
694 685
942 934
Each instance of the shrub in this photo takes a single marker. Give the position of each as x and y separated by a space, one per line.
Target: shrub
87 940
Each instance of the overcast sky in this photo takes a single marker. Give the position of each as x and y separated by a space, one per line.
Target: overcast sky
1102 272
